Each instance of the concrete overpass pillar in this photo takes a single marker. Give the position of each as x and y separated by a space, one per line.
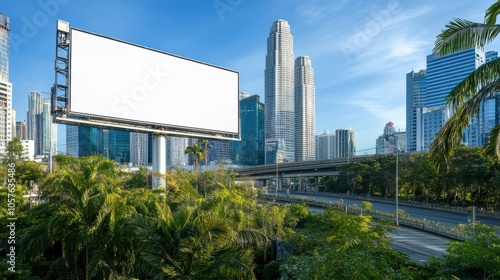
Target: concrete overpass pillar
316 183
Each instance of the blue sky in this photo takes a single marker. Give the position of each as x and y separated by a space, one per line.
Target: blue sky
360 50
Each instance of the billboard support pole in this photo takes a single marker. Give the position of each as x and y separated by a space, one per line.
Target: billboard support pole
159 160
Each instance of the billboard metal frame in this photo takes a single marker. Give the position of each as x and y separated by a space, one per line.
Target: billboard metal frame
61 106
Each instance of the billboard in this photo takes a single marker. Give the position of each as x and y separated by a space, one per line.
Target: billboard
116 84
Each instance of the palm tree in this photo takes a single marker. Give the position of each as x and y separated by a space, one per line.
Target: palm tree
88 220
197 155
205 147
194 244
468 96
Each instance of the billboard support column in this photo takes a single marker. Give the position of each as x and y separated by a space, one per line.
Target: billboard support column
159 160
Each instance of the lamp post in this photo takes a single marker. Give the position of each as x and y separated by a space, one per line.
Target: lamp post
277 180
397 175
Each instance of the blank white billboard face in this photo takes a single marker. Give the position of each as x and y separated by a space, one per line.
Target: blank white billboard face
121 81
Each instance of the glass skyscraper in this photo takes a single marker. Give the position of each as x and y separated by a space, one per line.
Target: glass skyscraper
443 74
279 95
416 88
325 146
7 119
345 145
4 47
85 141
305 114
250 150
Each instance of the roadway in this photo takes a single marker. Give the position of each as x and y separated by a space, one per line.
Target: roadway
417 244
443 217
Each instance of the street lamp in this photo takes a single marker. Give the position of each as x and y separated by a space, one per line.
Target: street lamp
397 175
277 177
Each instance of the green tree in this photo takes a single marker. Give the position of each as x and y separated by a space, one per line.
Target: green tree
87 221
194 244
197 155
478 258
468 96
205 146
15 151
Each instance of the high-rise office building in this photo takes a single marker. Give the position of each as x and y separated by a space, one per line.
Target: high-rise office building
345 143
49 130
40 127
175 151
305 114
445 72
85 141
442 75
390 140
6 111
416 87
325 146
34 120
250 150
22 131
4 47
138 148
220 152
279 95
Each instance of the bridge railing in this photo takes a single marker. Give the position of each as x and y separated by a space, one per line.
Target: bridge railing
409 202
452 232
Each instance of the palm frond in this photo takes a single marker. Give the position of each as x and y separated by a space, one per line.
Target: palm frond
491 14
492 147
449 137
462 34
485 80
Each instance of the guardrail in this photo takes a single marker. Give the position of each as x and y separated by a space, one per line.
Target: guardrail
456 233
406 202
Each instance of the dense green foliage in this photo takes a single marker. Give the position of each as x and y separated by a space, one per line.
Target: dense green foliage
471 179
98 222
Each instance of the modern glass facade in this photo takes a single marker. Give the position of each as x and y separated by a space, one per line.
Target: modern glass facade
345 145
279 93
416 87
305 112
433 118
7 118
4 47
445 72
85 141
175 151
250 150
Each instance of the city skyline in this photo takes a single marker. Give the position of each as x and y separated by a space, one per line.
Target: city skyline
352 44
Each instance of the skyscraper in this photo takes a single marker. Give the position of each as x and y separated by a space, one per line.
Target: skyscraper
175 151
6 114
279 95
85 141
139 148
22 131
4 47
40 127
391 140
250 150
416 87
443 74
345 145
325 146
34 120
305 114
